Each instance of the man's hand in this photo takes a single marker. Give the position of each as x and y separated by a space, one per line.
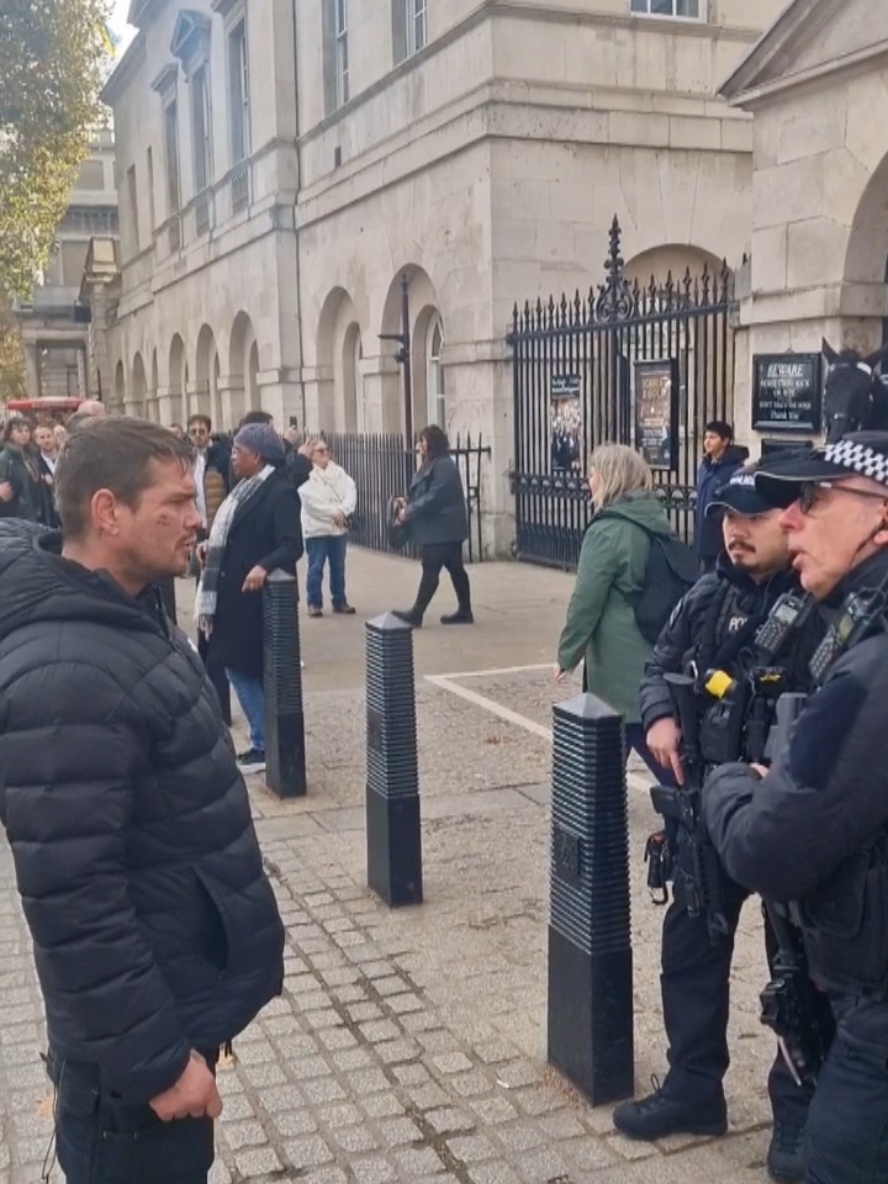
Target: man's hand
193 1096
760 770
663 739
339 518
255 579
559 675
7 493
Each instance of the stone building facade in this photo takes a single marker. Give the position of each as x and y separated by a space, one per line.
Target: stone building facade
54 327
817 86
281 179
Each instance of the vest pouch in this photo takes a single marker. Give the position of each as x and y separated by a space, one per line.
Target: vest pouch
846 924
721 730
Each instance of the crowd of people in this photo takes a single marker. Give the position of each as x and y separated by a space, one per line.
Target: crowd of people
156 933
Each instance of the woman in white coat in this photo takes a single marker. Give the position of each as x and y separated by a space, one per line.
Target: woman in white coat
328 498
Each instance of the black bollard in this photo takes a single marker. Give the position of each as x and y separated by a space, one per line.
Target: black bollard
394 841
590 948
282 670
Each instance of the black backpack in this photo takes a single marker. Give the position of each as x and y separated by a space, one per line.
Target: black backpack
670 571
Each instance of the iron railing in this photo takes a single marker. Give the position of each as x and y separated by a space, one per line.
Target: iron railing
382 468
646 367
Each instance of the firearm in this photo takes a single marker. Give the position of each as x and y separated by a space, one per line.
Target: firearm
699 876
791 1006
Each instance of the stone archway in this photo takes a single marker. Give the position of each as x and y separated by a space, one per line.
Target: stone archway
865 278
423 304
138 388
339 352
119 389
178 370
153 407
428 374
240 368
201 399
676 259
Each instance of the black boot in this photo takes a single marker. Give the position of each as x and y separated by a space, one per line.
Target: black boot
786 1161
663 1113
409 616
462 616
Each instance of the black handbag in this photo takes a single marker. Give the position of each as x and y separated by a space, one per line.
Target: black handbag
398 533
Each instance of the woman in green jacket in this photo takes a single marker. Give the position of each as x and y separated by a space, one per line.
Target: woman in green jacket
600 625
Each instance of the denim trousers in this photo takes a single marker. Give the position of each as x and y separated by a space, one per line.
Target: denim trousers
846 1140
251 696
329 549
101 1141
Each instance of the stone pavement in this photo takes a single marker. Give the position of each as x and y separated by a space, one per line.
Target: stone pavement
410 1044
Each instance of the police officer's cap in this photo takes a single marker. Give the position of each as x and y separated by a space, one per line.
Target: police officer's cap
740 495
859 454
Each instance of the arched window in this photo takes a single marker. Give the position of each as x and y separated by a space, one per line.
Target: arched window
435 372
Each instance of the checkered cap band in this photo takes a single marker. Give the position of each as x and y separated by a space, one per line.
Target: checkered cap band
859 458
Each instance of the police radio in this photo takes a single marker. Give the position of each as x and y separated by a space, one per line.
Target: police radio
858 616
788 614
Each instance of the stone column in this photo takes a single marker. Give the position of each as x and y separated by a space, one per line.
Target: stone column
318 386
280 394
231 399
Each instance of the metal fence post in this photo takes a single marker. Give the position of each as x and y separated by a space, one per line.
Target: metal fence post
590 949
282 669
394 840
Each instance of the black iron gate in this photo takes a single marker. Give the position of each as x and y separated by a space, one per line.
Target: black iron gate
641 366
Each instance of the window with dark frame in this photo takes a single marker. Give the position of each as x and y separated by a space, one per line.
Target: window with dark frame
239 92
689 9
171 156
341 51
415 18
201 129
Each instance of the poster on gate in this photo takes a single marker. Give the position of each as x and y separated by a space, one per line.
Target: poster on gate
656 412
565 423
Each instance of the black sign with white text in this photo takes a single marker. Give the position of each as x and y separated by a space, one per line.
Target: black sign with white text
787 393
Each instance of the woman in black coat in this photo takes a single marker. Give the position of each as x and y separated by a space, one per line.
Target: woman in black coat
435 511
256 530
20 491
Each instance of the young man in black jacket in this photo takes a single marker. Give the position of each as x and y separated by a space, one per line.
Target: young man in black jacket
156 934
712 627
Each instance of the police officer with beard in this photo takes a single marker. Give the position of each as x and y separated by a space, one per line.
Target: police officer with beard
813 832
714 628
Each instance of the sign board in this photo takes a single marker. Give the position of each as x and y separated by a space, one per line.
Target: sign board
787 392
656 412
565 423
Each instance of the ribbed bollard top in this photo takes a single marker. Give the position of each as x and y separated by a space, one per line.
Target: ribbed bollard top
391 707
590 827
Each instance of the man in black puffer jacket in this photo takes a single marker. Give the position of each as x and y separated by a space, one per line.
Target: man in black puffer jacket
156 933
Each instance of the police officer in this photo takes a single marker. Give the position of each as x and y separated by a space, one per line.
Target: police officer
814 830
712 628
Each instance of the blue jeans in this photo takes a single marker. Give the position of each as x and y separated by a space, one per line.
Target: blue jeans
329 549
846 1139
251 696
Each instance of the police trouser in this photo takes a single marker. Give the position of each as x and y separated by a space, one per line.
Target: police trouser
846 1141
695 985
